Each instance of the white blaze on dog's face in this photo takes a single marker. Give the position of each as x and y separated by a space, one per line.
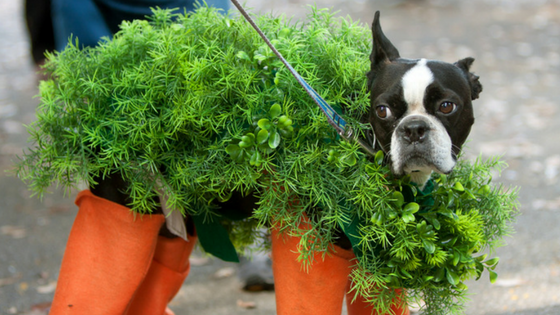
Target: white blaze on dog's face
420 143
421 110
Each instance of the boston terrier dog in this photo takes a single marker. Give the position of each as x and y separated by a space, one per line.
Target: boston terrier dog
421 110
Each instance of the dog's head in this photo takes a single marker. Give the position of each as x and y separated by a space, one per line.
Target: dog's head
421 110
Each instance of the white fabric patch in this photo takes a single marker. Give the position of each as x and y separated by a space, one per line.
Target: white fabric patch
174 220
414 84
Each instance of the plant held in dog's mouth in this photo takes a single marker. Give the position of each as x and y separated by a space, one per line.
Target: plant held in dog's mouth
200 107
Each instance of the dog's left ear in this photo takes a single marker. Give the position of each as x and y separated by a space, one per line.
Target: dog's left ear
383 50
465 66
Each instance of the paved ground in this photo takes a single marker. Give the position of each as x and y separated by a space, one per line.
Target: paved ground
517 47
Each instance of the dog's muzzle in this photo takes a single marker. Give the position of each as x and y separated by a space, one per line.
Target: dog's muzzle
420 143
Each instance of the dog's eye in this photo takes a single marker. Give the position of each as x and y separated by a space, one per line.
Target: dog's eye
447 108
383 111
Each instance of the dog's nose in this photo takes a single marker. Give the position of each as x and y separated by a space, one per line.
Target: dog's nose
415 130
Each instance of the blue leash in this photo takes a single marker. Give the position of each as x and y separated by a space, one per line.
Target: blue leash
334 119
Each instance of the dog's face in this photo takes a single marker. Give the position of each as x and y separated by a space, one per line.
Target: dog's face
421 110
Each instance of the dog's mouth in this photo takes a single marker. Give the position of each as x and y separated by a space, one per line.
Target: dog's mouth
418 162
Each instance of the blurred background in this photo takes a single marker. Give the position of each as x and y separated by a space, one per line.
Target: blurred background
516 44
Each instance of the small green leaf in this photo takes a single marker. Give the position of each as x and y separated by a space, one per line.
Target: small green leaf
255 159
449 242
406 274
275 111
440 273
233 150
259 57
247 141
262 136
407 217
443 179
461 286
484 190
493 276
379 156
243 55
421 227
265 124
456 258
468 195
492 262
391 214
452 278
458 187
245 145
481 258
436 224
274 139
398 198
349 160
429 246
411 207
282 120
379 218
285 32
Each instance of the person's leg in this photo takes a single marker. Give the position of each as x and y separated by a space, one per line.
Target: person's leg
321 290
39 26
169 269
359 306
107 256
77 19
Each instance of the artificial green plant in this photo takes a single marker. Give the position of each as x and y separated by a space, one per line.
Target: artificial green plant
198 106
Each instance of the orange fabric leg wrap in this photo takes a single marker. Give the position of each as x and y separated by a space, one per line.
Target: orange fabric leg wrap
107 256
319 291
170 267
362 307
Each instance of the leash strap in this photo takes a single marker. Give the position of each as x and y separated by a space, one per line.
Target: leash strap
334 119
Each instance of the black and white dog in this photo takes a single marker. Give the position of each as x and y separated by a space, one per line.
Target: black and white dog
421 110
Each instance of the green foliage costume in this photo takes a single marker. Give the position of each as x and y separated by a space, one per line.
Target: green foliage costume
200 107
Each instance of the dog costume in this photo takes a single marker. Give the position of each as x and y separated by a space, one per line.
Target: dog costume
201 111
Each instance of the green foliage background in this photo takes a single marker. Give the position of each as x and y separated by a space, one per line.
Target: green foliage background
200 107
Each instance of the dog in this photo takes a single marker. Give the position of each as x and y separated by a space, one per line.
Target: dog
421 110
421 113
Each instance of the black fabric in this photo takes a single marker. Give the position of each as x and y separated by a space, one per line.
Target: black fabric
39 26
116 11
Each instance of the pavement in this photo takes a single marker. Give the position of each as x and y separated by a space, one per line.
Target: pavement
516 44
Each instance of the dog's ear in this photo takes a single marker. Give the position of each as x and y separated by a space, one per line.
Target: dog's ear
383 50
465 66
